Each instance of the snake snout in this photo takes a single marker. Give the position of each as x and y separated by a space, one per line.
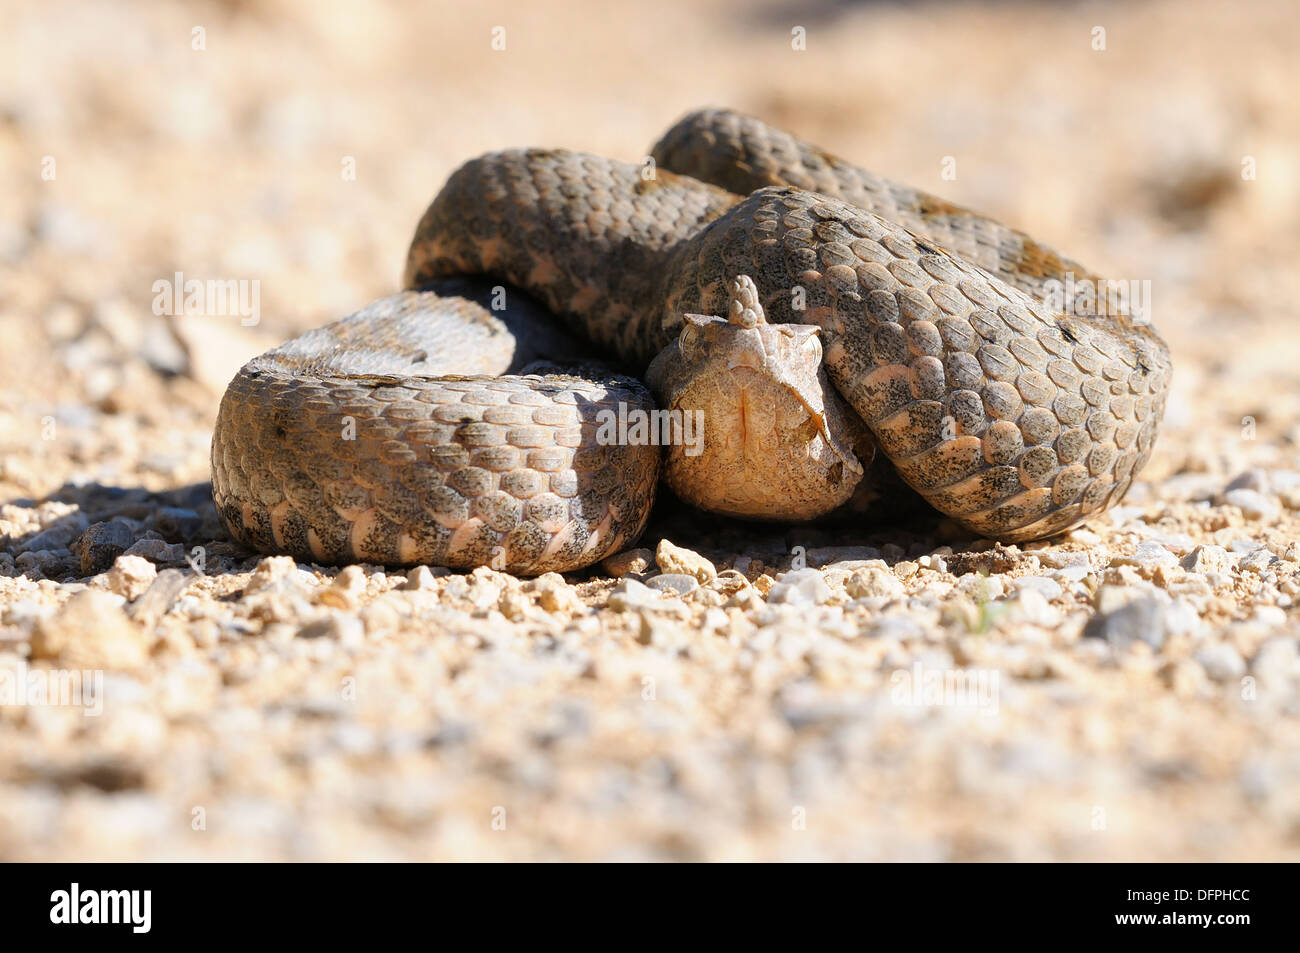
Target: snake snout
743 349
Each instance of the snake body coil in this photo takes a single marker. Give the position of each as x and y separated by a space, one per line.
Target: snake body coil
403 435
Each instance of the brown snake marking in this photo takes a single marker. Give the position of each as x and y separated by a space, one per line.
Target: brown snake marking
405 434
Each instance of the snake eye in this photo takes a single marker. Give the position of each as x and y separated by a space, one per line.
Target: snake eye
689 338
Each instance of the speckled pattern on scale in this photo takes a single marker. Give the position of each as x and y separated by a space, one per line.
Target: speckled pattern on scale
1016 419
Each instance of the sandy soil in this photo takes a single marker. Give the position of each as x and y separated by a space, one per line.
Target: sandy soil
1131 690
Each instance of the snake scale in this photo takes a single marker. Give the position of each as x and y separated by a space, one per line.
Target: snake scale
809 312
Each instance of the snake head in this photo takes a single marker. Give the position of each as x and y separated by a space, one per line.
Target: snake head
776 438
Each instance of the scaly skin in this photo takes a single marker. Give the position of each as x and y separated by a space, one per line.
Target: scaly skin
355 442
590 237
742 155
1017 421
1014 419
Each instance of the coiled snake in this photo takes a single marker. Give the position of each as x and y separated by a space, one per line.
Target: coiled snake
781 296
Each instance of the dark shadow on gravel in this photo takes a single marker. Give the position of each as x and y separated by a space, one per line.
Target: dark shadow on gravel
165 527
893 529
180 529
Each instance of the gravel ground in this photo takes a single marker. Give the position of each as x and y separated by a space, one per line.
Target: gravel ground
892 691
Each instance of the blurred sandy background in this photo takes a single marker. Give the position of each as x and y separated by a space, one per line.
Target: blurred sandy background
142 139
